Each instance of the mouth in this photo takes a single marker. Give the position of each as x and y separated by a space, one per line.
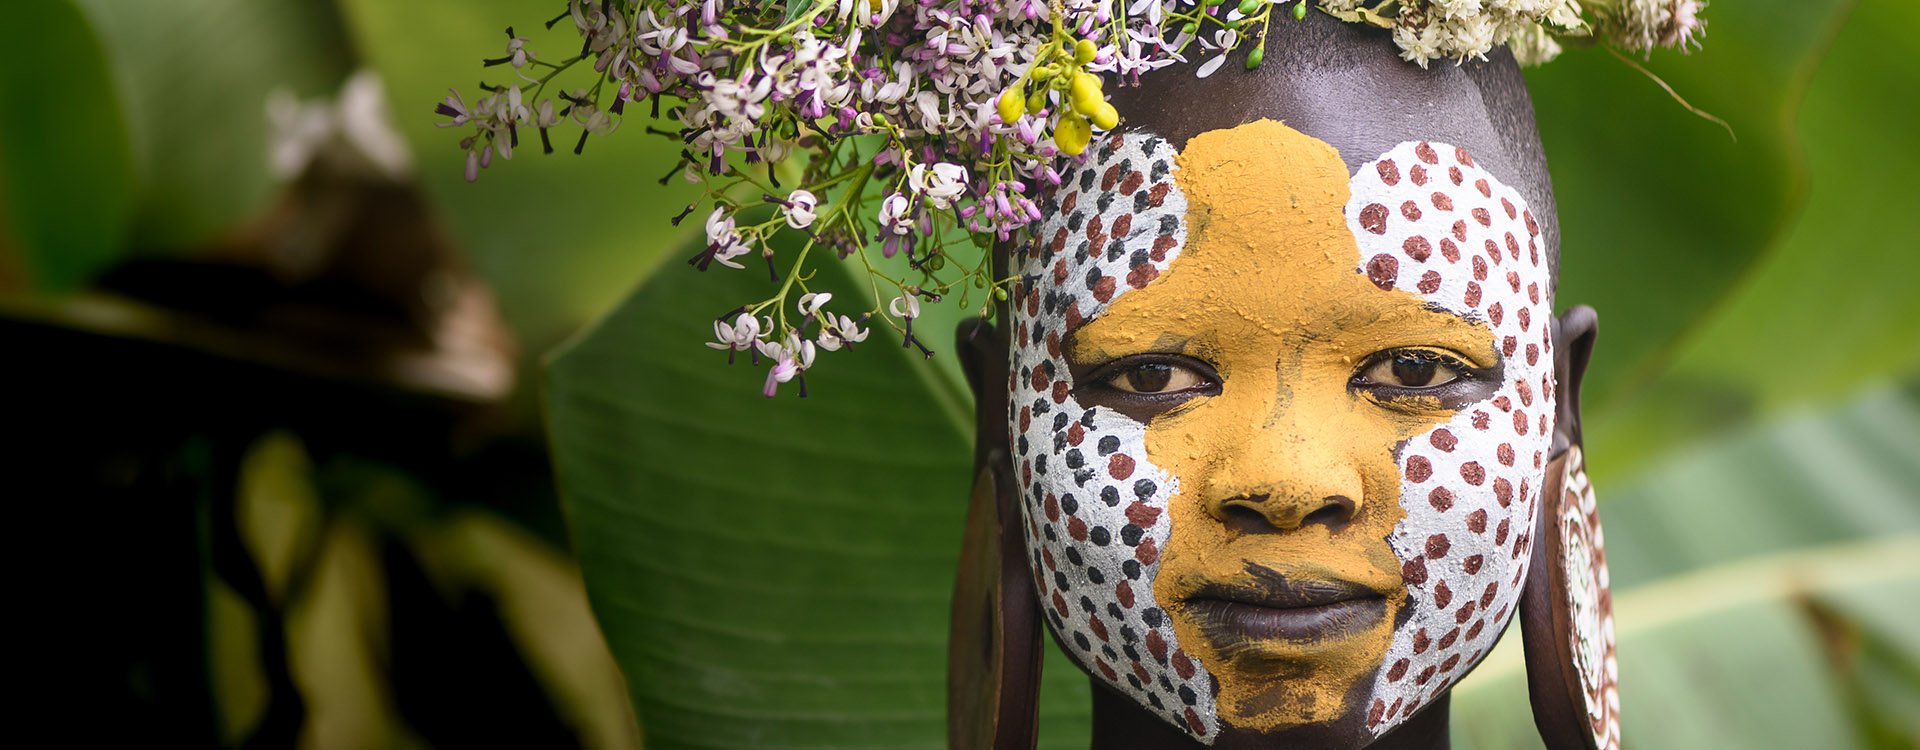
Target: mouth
1266 605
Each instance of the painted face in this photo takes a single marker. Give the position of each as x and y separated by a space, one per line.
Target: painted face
1280 430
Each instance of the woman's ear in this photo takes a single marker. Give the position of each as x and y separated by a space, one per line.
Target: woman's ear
994 644
1573 336
1566 609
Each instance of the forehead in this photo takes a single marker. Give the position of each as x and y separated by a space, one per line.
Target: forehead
1328 79
1425 218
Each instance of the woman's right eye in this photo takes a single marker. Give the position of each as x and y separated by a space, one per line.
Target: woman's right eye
1155 377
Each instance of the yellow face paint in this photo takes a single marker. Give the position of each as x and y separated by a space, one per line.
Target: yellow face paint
1266 291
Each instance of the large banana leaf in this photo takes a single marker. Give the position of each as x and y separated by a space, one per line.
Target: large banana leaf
775 573
1811 649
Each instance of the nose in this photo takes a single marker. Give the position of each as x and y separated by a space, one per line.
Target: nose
1283 479
1267 513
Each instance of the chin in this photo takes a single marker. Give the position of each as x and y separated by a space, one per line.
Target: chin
1272 684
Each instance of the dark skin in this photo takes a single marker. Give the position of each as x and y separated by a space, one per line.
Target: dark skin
1344 84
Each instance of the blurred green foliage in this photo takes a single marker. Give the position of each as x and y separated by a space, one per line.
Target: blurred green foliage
560 237
65 153
775 574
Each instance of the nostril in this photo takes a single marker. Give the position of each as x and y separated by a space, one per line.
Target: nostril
1335 515
1247 520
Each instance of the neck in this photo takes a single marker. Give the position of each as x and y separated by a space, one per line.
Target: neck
1121 724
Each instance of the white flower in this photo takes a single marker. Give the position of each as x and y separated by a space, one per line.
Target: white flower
723 240
843 332
1467 37
1152 9
790 358
1419 43
799 209
1223 40
1455 8
455 107
517 52
719 225
811 302
883 91
905 306
744 334
1533 45
893 214
871 12
941 184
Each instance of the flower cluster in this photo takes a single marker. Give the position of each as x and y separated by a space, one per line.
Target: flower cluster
923 130
1428 30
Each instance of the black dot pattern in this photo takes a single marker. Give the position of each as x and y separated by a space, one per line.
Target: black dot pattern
1094 506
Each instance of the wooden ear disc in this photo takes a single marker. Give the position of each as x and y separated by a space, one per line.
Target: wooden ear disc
993 648
1566 614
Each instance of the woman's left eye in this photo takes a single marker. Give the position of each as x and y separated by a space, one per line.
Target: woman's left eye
1411 369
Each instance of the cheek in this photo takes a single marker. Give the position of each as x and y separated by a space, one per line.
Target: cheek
1096 525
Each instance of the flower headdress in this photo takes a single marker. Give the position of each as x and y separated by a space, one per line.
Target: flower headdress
923 129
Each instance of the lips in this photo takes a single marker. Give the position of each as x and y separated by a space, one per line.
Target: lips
1267 605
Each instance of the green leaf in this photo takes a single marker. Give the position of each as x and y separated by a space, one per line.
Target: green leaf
796 8
559 237
1829 308
1661 212
770 573
66 174
193 78
1763 653
1812 477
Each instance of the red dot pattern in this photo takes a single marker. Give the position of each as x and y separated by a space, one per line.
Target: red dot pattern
1465 243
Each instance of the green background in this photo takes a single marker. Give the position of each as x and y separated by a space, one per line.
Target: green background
775 574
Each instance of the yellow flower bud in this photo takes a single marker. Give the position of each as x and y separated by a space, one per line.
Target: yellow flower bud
1086 92
1013 104
1105 117
1083 52
1072 134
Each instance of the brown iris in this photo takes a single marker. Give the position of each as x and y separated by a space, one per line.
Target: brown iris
1412 368
1154 377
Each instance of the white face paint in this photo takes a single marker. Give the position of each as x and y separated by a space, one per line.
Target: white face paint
1431 222
1427 221
1094 504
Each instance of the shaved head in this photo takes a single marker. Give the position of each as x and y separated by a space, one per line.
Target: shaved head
1345 84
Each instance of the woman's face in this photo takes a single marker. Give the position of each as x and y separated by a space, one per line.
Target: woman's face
1280 431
